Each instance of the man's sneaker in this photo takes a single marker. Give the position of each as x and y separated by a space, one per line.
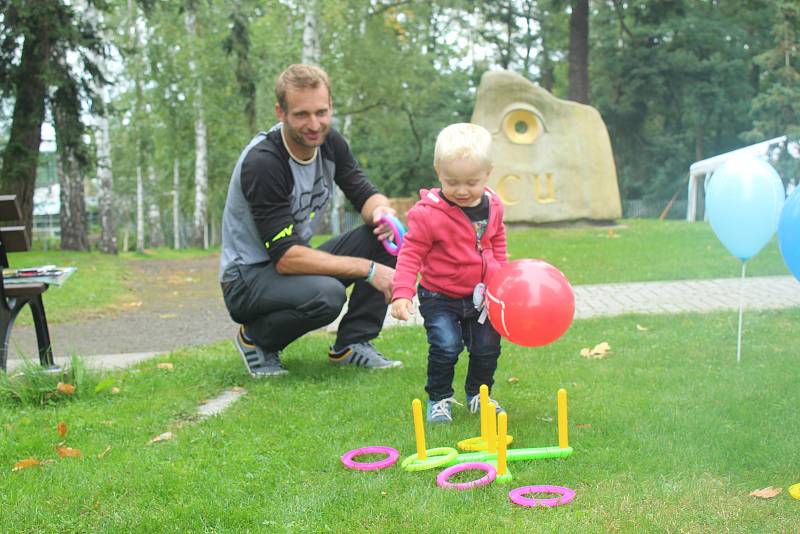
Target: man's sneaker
440 411
259 363
363 355
474 404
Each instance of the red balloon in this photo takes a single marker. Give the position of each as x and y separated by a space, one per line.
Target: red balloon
530 302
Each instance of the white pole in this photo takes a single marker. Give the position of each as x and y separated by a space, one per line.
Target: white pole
741 309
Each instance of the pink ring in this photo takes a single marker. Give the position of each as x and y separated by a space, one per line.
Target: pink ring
393 247
392 456
516 495
491 474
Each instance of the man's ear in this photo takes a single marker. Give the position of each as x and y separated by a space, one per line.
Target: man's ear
279 112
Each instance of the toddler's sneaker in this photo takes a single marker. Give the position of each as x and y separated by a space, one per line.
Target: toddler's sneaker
474 404
259 363
440 411
362 354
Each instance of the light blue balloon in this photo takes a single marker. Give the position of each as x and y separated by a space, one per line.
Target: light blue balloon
789 233
744 198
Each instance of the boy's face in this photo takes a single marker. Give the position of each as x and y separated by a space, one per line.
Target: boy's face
463 180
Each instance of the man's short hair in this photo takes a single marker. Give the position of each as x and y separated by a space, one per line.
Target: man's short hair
300 76
462 140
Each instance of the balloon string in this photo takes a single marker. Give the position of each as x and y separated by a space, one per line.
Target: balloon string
741 310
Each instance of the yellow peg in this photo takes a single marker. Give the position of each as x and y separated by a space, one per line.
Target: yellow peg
502 431
563 441
484 398
491 427
419 429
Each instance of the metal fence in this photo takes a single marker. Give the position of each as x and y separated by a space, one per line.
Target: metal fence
652 209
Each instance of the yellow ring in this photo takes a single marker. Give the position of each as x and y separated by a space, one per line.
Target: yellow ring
521 126
794 491
478 443
436 457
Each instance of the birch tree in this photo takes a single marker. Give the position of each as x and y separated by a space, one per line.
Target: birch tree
105 175
199 228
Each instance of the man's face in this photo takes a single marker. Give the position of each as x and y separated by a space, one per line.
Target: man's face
307 117
463 180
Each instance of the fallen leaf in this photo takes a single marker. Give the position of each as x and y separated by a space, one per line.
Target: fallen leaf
104 385
67 389
585 425
167 315
513 379
600 351
384 493
766 493
115 390
135 304
641 328
23 464
546 419
62 429
612 233
165 365
166 436
105 451
65 452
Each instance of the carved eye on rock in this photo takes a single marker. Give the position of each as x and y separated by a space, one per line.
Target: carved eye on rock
522 126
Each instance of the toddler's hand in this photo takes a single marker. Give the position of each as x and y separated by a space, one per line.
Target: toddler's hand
402 308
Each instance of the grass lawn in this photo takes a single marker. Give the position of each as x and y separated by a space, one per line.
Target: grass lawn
670 434
639 250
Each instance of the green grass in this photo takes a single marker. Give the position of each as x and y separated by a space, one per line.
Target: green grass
639 250
679 435
98 283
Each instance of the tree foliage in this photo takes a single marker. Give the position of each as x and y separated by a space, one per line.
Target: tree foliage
675 80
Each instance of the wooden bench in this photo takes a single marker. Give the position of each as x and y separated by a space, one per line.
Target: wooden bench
14 297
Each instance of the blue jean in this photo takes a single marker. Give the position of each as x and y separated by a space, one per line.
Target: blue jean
451 325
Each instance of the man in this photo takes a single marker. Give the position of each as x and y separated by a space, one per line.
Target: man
274 284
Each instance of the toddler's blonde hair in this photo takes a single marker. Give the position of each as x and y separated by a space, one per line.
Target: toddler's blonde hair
462 140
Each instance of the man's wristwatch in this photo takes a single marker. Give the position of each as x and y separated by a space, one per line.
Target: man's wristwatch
371 273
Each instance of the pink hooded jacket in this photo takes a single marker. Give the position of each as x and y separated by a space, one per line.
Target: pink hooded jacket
442 245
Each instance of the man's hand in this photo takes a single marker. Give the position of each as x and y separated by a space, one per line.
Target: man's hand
383 231
402 309
382 280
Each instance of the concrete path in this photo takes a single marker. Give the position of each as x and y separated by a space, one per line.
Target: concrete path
198 316
685 296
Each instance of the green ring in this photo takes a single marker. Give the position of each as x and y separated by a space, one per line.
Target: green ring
436 457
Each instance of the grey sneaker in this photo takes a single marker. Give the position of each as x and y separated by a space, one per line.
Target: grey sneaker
440 411
363 355
474 404
259 363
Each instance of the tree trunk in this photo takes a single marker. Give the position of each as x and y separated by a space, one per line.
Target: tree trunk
72 216
199 231
176 210
108 229
139 209
21 155
311 50
154 212
579 52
